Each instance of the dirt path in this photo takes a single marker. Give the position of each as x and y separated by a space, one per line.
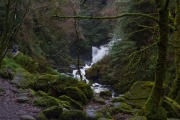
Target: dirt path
10 108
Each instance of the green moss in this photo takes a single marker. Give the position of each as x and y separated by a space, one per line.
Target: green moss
26 62
43 82
23 78
72 102
139 90
10 64
122 107
73 115
92 72
41 93
41 116
53 112
138 118
32 92
49 101
76 94
105 94
118 99
86 89
99 100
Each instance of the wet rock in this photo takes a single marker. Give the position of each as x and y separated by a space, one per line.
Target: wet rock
27 117
22 99
92 114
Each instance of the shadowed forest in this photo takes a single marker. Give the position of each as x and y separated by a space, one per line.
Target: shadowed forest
47 68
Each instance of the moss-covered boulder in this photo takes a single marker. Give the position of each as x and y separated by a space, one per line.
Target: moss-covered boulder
105 94
98 100
76 94
92 73
49 101
121 107
44 82
138 93
41 93
72 102
86 89
23 78
53 112
73 115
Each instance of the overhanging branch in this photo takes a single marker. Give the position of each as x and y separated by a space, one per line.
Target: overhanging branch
110 17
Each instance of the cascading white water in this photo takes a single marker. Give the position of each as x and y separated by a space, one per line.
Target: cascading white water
97 54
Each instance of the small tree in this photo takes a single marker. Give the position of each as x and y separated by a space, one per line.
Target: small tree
11 25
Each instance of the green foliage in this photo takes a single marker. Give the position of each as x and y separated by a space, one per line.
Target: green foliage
26 62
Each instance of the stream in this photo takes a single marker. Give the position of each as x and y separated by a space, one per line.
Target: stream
97 54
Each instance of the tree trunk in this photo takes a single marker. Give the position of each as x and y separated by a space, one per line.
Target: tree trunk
176 84
152 109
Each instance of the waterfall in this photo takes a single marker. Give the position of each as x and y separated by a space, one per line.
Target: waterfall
97 54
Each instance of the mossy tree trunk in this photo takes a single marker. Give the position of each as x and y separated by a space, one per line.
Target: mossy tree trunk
176 84
153 104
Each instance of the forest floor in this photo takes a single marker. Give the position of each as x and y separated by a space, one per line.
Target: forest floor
12 107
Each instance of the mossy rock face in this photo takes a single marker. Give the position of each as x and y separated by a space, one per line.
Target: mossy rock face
86 89
92 72
72 102
53 112
73 115
138 93
92 114
23 78
105 94
138 118
76 94
121 107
